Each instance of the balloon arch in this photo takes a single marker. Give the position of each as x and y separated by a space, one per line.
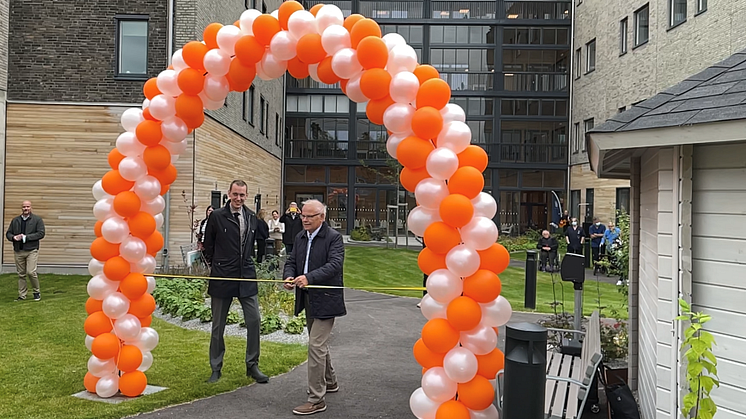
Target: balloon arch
428 136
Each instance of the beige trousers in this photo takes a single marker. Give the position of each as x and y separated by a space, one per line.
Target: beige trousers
26 265
320 370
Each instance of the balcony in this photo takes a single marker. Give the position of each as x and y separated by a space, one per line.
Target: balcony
371 150
391 10
314 149
309 83
535 82
469 81
533 153
536 10
344 5
463 10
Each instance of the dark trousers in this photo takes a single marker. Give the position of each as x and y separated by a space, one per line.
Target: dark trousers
424 284
288 248
220 307
578 250
595 256
261 249
547 257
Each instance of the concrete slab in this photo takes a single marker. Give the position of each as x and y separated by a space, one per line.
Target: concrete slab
118 398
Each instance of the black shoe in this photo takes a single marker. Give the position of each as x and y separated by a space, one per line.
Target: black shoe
258 376
20 299
214 377
37 296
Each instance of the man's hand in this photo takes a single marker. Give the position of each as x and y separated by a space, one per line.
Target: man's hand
18 237
546 248
301 281
289 284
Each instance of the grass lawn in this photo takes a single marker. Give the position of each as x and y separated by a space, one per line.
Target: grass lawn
44 357
377 267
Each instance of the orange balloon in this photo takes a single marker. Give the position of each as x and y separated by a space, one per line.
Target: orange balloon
351 20
439 336
473 156
105 346
467 181
495 258
425 357
188 106
113 183
491 363
132 384
114 158
484 286
89 381
435 93
210 35
464 313
97 228
143 306
452 409
146 321
456 210
147 115
363 29
166 176
409 178
374 83
142 226
150 88
310 50
476 394
92 305
427 122
297 68
426 72
412 152
191 124
375 109
265 27
440 237
158 157
127 204
325 72
149 132
133 286
248 50
429 261
117 268
97 323
343 85
372 52
154 243
130 358
194 54
286 9
191 81
103 250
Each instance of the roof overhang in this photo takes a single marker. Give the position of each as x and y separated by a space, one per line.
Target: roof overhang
609 153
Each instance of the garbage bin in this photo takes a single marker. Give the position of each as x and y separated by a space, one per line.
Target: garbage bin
525 376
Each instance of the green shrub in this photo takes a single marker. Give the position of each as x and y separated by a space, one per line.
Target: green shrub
270 323
296 325
360 234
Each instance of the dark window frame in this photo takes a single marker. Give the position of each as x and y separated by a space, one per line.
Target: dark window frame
590 56
262 111
277 129
623 30
638 41
672 22
701 7
578 63
620 194
590 198
119 18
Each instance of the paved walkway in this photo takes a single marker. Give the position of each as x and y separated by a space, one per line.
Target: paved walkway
372 353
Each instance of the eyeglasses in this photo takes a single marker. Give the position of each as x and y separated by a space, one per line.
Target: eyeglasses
303 216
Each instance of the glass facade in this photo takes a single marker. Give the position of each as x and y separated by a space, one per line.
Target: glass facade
507 63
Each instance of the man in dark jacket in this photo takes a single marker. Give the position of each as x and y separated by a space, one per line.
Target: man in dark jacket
317 259
25 231
229 242
547 246
293 226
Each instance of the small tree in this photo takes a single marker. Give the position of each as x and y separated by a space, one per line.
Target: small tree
701 368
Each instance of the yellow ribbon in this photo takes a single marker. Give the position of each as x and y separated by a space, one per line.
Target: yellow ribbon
283 281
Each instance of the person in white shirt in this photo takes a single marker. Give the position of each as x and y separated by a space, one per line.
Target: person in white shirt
276 228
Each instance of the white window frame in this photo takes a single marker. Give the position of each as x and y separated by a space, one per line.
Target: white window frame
638 41
590 56
623 29
672 22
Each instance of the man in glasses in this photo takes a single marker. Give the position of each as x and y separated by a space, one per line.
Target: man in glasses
317 259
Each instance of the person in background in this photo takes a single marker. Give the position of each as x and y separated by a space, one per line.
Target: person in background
610 243
202 227
293 226
276 228
575 237
547 246
596 232
24 232
262 234
564 223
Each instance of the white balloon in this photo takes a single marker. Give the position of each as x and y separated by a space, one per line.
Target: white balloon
210 104
115 229
217 62
437 386
88 342
227 37
301 23
404 87
127 327
144 265
100 367
95 267
335 38
496 313
420 218
167 83
455 135
275 14
422 406
177 61
162 107
247 21
115 305
151 283
145 104
147 188
177 148
430 193
98 191
443 286
460 365
453 113
398 117
392 143
132 168
158 221
488 413
480 233
174 129
432 309
313 71
153 207
272 66
345 63
99 287
132 249
131 118
146 340
462 260
128 145
216 87
147 361
442 163
480 340
260 71
103 209
107 386
283 45
328 15
484 205
354 92
401 58
393 39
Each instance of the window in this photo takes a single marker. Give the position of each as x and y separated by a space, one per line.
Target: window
132 46
622 200
574 209
623 36
248 105
642 25
576 138
701 6
277 129
578 63
318 104
622 109
587 126
411 34
589 205
266 119
262 116
533 36
676 12
264 7
590 56
461 35
522 107
250 4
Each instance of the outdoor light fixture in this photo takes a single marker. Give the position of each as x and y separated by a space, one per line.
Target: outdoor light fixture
464 11
512 16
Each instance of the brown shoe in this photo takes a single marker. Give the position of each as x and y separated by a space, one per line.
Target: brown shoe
310 408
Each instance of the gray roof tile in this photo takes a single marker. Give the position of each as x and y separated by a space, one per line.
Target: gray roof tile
682 87
720 114
719 101
655 101
739 87
706 90
660 121
732 61
608 126
707 74
728 76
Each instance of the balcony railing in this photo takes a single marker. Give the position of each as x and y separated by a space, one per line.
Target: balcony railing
469 81
314 149
371 150
344 5
535 10
533 153
391 10
535 82
462 10
309 83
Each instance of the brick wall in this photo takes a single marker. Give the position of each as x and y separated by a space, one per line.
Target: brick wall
65 50
4 11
